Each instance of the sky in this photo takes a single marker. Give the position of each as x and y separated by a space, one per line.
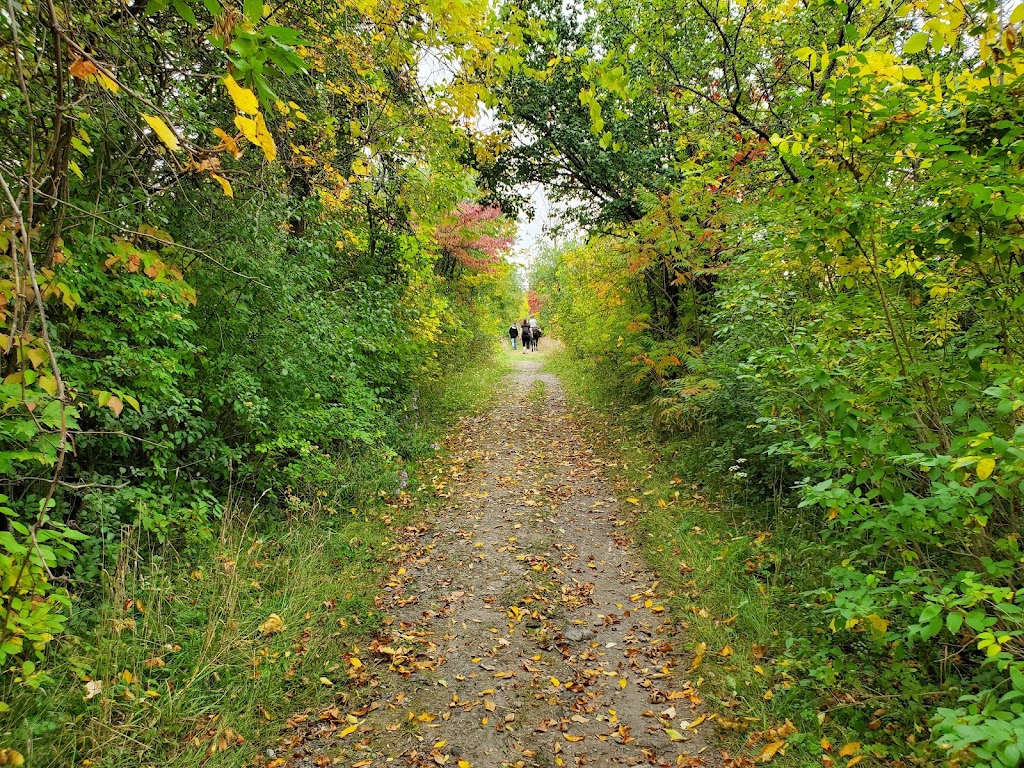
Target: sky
531 234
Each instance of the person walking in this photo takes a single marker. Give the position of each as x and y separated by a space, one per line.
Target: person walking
526 336
513 335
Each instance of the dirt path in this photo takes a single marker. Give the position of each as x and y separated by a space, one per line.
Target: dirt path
523 630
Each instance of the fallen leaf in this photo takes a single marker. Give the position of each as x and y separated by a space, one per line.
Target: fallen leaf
698 657
849 749
769 750
272 625
348 731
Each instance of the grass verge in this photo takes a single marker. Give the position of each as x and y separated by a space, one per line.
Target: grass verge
200 656
730 584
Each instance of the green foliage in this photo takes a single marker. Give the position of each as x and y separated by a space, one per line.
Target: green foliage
823 295
219 288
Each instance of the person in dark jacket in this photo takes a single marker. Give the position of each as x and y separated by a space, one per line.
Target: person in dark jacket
513 334
526 335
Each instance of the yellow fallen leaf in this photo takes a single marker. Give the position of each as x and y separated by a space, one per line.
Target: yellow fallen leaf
726 651
348 731
693 726
326 681
674 735
465 764
849 749
853 761
355 662
572 737
165 134
623 682
272 625
245 100
769 750
698 657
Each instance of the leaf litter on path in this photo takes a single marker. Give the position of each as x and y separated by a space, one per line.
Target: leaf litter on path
522 629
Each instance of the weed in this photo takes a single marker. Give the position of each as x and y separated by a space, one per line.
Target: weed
197 656
728 583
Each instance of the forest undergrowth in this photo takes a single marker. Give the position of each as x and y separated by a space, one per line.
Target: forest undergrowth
242 244
731 575
204 654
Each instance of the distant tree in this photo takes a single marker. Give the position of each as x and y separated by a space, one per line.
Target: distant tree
472 236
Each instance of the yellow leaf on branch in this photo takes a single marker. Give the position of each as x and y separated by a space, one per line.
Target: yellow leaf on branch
163 132
245 100
255 130
225 184
985 468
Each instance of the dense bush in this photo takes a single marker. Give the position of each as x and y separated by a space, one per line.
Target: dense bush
235 255
823 281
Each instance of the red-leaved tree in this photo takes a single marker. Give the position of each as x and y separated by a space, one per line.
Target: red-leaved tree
533 302
473 236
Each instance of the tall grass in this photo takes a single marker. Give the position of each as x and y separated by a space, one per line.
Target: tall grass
199 656
731 569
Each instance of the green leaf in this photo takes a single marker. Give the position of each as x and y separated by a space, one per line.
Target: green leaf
961 407
285 35
185 12
930 612
915 43
253 10
954 621
976 620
